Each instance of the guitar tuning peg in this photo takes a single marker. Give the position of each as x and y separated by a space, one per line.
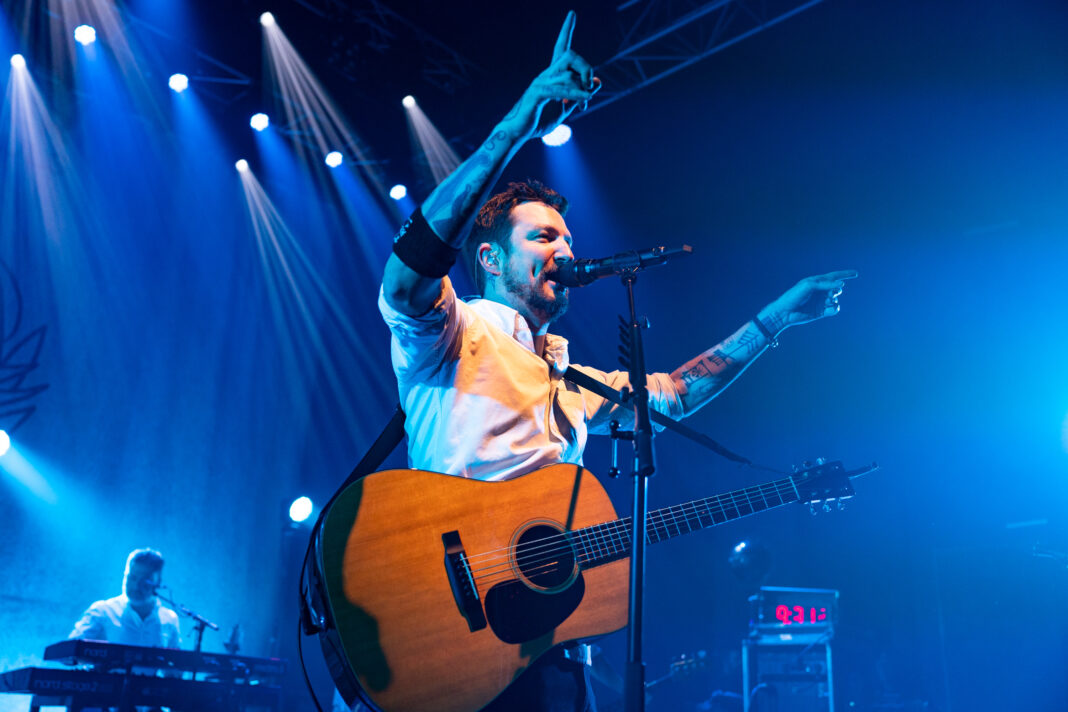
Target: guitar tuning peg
826 506
841 505
812 509
821 461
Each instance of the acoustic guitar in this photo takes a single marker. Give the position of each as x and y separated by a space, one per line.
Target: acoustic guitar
440 591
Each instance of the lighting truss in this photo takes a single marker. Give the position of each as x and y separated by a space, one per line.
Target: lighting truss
669 35
443 67
229 85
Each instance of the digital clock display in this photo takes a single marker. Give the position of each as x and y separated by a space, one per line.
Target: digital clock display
778 609
799 615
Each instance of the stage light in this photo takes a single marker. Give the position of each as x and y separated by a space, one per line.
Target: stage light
408 102
5 442
259 121
558 136
18 61
84 35
178 82
301 509
741 545
334 159
267 19
241 165
398 192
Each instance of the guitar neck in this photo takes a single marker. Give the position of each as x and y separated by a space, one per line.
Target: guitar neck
602 543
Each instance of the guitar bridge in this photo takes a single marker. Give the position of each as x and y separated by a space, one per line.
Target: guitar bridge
464 591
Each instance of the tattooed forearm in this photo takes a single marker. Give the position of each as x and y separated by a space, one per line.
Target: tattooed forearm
701 379
452 205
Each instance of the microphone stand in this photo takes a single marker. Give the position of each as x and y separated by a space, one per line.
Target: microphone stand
201 621
644 467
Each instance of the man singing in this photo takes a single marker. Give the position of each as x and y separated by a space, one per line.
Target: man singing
481 381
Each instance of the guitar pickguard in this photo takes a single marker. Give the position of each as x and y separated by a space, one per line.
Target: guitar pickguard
517 613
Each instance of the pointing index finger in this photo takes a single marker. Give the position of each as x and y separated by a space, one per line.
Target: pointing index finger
563 42
841 274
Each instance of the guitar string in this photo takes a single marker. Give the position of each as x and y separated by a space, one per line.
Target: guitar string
612 529
612 542
775 489
545 564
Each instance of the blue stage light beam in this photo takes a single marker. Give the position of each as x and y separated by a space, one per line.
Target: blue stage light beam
5 442
558 136
440 157
302 301
259 121
178 82
301 509
309 109
24 473
84 35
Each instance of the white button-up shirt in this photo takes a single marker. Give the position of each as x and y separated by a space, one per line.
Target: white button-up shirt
480 403
115 621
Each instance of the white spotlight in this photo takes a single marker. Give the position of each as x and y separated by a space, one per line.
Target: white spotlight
558 136
84 34
18 61
5 442
301 509
178 82
241 166
334 159
408 102
259 121
398 191
267 19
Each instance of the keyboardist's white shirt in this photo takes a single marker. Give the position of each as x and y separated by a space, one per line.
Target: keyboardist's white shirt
115 621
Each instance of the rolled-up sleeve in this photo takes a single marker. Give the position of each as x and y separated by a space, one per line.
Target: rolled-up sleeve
428 340
90 627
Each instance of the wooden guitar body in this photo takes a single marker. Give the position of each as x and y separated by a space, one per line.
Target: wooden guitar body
397 598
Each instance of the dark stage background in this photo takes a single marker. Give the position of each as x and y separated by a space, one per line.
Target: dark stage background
200 376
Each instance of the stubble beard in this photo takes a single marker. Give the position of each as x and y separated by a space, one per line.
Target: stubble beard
544 308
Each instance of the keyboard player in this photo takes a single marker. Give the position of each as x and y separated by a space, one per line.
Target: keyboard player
136 616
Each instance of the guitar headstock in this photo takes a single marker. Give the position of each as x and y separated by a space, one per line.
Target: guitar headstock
826 485
687 664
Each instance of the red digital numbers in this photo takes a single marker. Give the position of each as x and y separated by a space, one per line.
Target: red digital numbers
789 616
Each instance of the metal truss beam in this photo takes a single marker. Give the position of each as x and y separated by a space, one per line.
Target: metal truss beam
669 35
443 67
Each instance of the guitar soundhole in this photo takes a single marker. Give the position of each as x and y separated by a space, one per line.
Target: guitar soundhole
545 559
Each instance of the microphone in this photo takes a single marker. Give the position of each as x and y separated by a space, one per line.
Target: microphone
579 273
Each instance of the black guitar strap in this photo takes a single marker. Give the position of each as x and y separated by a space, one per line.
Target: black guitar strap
393 433
380 449
591 384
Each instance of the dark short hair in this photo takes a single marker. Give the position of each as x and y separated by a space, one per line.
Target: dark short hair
494 222
145 557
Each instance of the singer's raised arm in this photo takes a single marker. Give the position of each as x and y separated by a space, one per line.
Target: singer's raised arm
409 283
701 379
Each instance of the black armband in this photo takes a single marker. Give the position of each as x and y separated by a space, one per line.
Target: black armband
418 247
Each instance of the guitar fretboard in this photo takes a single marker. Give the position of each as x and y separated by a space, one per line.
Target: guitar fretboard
610 541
